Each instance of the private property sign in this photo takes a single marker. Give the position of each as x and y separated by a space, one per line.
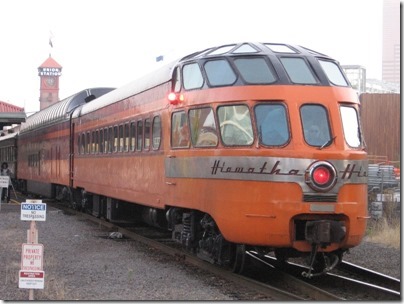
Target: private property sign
33 210
32 257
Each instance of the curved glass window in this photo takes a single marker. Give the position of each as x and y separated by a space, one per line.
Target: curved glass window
219 72
279 48
333 73
179 130
222 50
245 48
255 70
177 80
272 124
139 135
156 135
298 70
147 131
192 75
350 124
315 125
235 125
203 127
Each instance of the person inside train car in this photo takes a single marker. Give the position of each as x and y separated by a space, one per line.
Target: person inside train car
314 136
5 171
272 124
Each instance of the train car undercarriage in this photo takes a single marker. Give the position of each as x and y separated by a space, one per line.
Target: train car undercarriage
198 233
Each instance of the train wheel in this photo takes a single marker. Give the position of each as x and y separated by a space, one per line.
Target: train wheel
239 259
281 258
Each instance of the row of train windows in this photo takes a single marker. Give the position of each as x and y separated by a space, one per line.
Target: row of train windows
7 154
255 70
232 123
130 136
235 126
33 159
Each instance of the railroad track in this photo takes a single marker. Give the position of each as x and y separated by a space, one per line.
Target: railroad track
284 284
349 281
257 289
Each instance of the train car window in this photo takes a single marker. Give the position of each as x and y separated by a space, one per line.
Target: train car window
351 126
333 73
222 50
315 124
272 124
298 70
132 141
126 136
106 140
244 48
121 139
83 144
79 144
147 131
116 139
96 142
139 135
280 48
192 76
219 73
203 127
156 133
235 125
92 142
101 145
179 130
177 80
110 140
88 143
255 70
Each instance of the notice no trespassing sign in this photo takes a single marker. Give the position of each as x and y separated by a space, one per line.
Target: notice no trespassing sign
33 212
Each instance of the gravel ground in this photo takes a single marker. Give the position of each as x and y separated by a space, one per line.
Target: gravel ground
81 263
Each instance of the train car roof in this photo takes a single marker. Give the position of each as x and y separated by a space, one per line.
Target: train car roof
8 136
151 80
164 74
253 48
62 108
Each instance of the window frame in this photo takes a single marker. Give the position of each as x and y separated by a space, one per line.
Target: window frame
287 124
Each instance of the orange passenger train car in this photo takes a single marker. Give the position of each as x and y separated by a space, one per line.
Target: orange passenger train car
245 146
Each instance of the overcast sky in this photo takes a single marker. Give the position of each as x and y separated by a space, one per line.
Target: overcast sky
110 43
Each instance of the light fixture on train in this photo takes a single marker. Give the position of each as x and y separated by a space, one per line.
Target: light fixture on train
175 98
321 176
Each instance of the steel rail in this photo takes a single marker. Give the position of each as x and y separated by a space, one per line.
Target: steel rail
314 292
258 287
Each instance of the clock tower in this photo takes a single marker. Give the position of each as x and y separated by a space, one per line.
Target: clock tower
49 73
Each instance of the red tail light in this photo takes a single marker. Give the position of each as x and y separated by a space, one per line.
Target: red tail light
321 176
175 98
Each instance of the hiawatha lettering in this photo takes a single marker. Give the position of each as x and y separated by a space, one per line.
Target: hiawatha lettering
264 169
276 169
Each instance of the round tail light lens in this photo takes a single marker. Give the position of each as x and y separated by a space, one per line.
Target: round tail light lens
321 176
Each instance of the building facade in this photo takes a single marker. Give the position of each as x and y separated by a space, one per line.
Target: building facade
391 41
49 73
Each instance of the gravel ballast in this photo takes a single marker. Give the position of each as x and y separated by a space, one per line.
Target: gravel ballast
82 263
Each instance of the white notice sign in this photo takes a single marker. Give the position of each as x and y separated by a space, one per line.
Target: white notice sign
4 181
33 211
31 279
